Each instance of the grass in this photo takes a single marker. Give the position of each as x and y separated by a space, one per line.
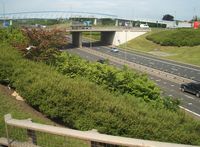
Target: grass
188 55
94 35
21 110
176 37
17 109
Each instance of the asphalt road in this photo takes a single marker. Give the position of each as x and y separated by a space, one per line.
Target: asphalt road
182 70
189 102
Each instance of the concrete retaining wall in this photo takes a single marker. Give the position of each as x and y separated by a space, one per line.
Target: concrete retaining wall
124 36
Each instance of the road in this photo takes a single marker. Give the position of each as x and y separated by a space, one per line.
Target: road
189 102
182 70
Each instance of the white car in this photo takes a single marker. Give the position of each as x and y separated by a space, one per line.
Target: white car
145 26
115 50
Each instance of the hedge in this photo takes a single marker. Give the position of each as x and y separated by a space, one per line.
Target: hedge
176 37
83 105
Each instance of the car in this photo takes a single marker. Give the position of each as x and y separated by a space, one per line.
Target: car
193 88
114 50
102 61
144 26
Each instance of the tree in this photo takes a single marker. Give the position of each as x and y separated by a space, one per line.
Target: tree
168 17
46 44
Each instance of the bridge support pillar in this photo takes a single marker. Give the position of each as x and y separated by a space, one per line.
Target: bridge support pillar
77 39
116 22
107 38
95 21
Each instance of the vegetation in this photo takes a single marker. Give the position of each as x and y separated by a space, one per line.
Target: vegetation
14 37
45 44
120 81
83 105
168 17
178 37
183 54
96 36
113 79
21 110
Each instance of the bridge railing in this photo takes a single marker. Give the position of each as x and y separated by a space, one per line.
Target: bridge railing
25 133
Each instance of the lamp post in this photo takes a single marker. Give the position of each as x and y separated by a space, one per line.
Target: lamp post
90 39
3 12
125 45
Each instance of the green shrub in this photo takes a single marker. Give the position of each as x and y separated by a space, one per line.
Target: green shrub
177 37
83 105
14 37
113 79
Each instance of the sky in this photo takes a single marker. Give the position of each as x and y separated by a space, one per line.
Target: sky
132 9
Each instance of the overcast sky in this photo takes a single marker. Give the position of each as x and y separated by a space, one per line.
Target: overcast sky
151 9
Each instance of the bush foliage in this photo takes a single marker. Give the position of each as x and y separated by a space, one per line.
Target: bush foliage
113 79
177 37
83 105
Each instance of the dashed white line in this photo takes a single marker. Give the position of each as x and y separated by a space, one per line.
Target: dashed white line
189 97
174 69
172 85
189 103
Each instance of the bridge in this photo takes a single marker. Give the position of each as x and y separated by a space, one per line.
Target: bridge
109 36
54 15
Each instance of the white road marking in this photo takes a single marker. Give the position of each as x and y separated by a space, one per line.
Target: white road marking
190 111
170 95
158 80
172 85
189 97
166 62
189 103
174 69
165 83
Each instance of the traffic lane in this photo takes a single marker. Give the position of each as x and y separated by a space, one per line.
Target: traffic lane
84 55
169 88
176 69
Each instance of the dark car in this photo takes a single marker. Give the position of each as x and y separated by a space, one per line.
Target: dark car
102 61
193 88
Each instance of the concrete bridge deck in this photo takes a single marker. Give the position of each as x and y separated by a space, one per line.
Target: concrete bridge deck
109 36
113 29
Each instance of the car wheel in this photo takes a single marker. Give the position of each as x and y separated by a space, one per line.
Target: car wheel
197 94
183 89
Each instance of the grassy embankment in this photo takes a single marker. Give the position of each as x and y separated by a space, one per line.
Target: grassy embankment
186 53
20 110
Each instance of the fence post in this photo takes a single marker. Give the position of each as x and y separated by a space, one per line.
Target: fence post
32 137
6 118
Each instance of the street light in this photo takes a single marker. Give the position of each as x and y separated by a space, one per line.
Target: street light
3 5
90 39
125 45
